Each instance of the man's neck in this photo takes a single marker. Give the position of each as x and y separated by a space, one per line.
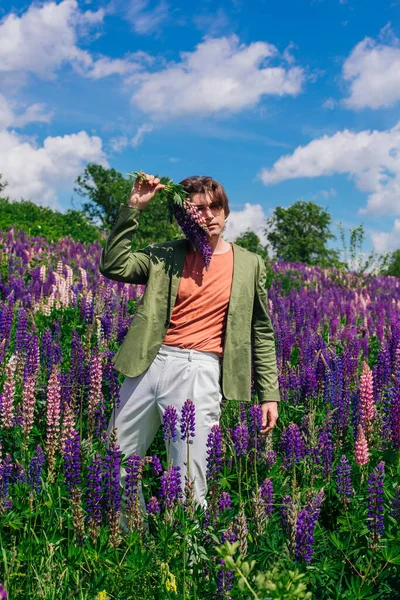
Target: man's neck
219 245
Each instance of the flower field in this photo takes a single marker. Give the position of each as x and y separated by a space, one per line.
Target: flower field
310 511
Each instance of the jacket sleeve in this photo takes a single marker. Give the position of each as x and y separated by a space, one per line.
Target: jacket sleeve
117 260
263 342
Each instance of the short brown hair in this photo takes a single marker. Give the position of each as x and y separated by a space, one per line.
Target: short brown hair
201 184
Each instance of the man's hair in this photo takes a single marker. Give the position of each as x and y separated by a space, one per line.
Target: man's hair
201 184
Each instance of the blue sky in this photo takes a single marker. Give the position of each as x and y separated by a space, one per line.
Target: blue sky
279 100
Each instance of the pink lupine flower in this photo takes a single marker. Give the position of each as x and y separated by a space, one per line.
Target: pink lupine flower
68 425
28 404
367 405
361 447
7 404
83 279
53 416
95 389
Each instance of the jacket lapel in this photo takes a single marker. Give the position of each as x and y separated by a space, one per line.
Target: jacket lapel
175 273
238 276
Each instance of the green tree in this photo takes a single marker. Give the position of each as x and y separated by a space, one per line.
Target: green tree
354 259
251 241
3 184
41 221
107 189
300 233
393 267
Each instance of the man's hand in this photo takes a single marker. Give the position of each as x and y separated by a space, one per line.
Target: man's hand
144 189
270 416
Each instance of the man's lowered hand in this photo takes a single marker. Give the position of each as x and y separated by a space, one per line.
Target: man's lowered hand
270 416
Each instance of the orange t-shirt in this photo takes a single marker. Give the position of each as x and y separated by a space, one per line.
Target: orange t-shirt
198 318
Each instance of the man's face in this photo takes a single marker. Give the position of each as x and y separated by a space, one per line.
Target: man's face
212 212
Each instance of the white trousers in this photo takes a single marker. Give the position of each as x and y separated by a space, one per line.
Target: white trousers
174 375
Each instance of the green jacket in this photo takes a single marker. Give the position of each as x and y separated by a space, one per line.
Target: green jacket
249 336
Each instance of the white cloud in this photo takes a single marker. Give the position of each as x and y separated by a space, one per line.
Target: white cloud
330 104
373 72
31 114
46 37
220 75
138 137
212 23
387 241
326 194
251 217
119 143
36 172
371 158
145 20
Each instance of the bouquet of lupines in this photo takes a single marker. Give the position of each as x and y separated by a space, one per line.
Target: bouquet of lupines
187 215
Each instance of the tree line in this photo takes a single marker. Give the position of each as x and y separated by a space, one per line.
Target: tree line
299 233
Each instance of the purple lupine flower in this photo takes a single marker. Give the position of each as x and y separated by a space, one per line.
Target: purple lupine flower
225 581
3 593
343 479
286 502
5 476
46 349
240 437
35 470
306 521
153 506
32 358
170 487
93 493
255 424
132 479
224 501
78 360
325 447
255 419
395 414
156 465
21 333
267 495
19 473
110 377
111 469
188 421
193 231
170 419
292 444
228 535
375 502
270 457
72 460
214 452
396 505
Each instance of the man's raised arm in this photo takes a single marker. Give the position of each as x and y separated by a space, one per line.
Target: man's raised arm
117 261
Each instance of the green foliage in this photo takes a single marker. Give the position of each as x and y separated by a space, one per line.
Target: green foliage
3 184
251 241
37 220
106 189
271 585
300 233
353 257
393 266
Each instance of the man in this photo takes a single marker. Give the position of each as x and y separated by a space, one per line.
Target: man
196 331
